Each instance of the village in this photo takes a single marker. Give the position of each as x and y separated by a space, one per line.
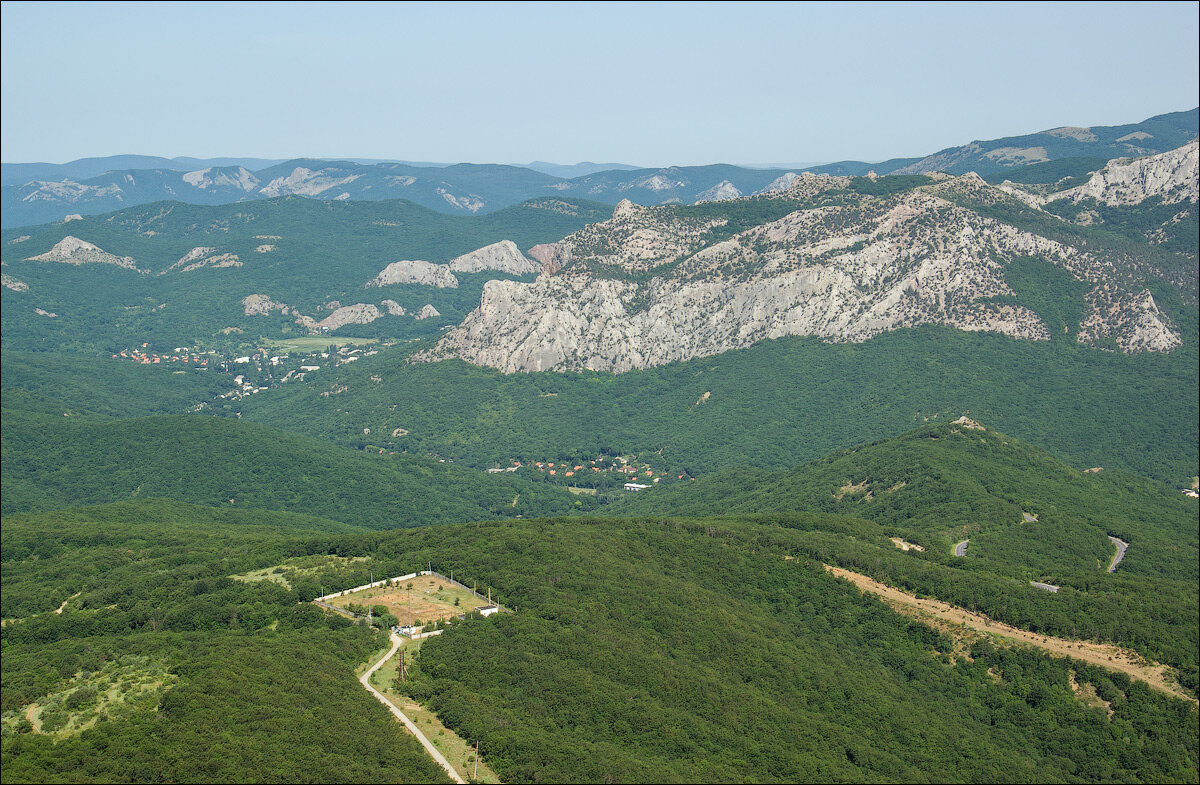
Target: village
604 472
260 368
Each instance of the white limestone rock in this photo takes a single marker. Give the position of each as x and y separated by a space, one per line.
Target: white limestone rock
1174 176
503 257
72 250
415 271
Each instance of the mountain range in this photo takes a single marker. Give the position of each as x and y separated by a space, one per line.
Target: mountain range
35 193
841 259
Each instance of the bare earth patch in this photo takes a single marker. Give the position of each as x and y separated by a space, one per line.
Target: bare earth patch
850 488
429 599
940 614
1087 693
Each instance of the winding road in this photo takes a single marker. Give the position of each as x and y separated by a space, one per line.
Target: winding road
1122 546
961 548
433 751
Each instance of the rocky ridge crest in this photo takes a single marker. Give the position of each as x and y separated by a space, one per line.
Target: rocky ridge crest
650 287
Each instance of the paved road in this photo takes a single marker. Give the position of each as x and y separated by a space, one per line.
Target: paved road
433 751
1122 546
961 548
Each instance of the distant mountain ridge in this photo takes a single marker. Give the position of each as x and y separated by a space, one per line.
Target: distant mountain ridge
37 193
1154 135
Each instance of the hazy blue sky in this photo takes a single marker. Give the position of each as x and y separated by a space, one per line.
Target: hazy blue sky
646 84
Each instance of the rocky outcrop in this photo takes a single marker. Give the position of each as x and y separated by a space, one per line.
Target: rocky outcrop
722 190
635 238
204 256
428 312
12 283
305 182
415 272
72 250
1172 176
261 305
502 257
471 203
67 192
1131 320
359 313
393 308
649 287
552 256
240 178
780 183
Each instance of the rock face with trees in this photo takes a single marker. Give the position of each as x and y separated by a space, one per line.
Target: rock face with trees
837 258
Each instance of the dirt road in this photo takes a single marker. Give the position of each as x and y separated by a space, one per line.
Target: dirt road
1105 655
365 679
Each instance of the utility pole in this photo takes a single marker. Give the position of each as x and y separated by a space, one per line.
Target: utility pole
476 777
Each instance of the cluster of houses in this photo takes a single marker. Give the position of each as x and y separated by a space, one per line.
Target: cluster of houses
619 465
182 354
638 476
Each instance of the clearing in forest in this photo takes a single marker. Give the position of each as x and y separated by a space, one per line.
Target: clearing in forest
423 598
942 615
296 567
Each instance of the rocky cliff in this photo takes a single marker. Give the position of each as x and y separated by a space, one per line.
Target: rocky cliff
503 257
417 272
655 285
1170 176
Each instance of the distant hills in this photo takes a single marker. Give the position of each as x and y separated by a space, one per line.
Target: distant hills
1156 135
39 192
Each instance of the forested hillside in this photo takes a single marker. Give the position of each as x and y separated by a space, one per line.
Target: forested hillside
52 462
939 484
198 678
300 253
774 405
638 650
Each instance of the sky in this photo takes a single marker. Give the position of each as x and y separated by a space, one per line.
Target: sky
638 83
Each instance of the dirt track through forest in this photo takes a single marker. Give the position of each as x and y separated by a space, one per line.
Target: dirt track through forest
433 751
1105 655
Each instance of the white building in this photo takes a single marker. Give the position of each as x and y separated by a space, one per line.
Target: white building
635 486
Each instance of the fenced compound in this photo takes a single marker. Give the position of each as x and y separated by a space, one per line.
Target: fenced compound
438 599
